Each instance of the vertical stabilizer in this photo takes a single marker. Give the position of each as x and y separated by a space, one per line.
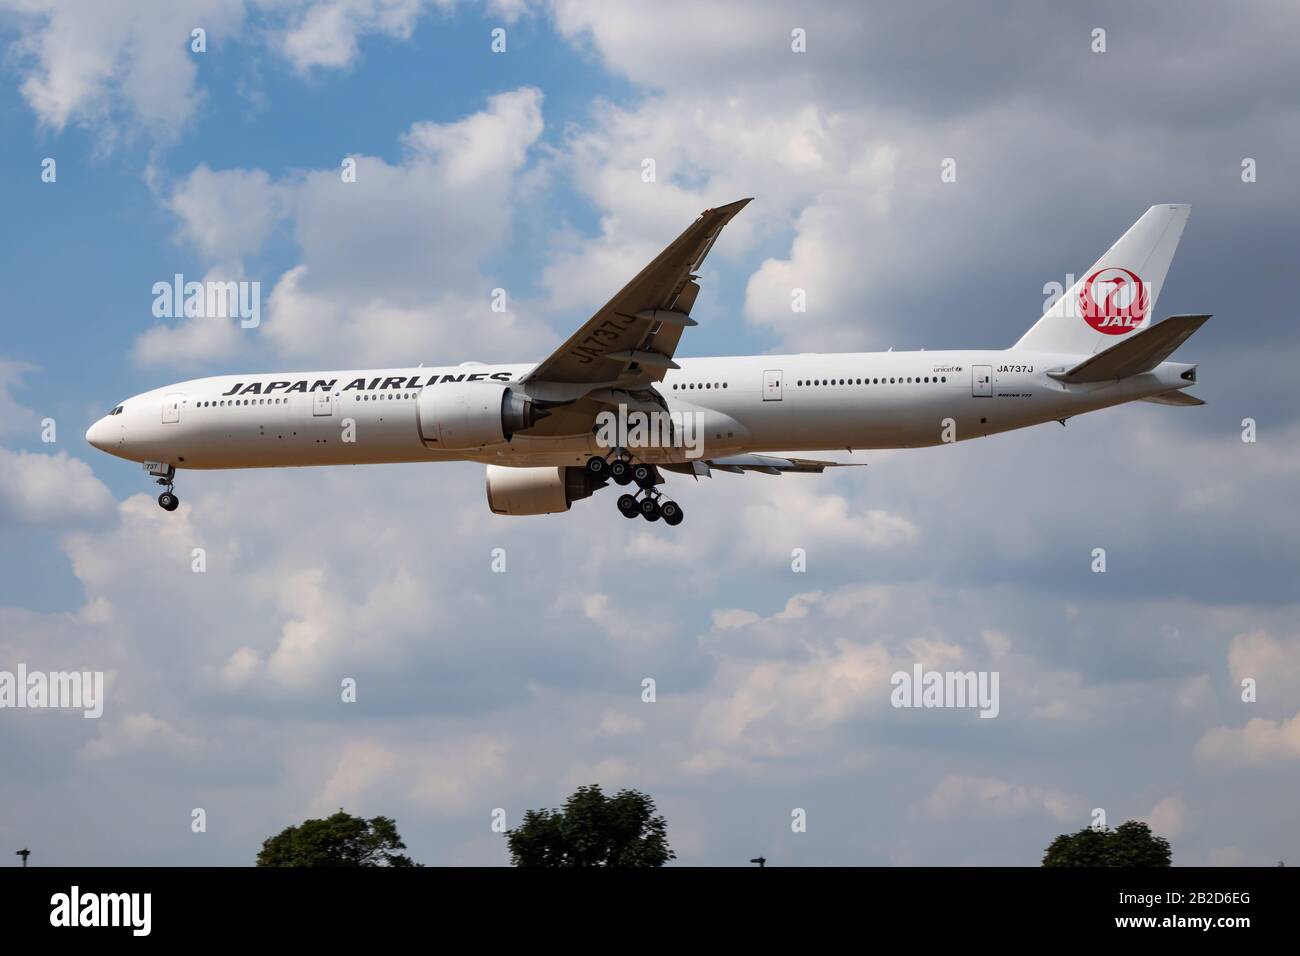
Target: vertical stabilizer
1117 295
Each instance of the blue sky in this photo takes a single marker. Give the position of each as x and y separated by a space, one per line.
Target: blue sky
255 111
522 170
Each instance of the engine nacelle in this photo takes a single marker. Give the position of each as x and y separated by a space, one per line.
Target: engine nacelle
460 415
537 491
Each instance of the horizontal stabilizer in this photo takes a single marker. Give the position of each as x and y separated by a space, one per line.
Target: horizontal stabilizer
1141 352
1174 398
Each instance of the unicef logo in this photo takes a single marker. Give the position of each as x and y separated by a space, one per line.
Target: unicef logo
1113 301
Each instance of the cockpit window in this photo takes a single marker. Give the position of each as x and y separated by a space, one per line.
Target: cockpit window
116 411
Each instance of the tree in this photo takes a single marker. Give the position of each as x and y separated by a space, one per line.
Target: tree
1130 844
593 830
340 840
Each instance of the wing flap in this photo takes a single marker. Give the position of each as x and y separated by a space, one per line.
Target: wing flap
764 464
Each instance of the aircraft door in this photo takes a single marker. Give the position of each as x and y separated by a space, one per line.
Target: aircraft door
171 409
322 404
981 381
772 385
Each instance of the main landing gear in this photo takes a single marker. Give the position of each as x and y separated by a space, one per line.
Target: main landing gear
648 502
166 475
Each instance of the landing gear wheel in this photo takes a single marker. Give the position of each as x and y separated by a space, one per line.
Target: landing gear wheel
620 471
671 512
168 501
649 509
643 475
627 506
597 467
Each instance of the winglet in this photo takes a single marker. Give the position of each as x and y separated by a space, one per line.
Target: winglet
731 208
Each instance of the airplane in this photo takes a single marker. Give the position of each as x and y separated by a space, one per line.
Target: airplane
614 404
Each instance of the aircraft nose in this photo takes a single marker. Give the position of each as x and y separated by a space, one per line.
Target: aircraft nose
100 434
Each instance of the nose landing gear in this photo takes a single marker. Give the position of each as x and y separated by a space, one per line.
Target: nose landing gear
165 474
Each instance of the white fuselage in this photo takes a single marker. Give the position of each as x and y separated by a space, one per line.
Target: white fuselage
805 402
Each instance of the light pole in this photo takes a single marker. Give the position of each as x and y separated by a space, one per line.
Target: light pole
24 853
760 860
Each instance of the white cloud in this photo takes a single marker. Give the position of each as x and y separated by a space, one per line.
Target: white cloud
324 34
227 215
39 489
797 511
392 264
734 617
241 667
116 65
827 262
190 340
362 765
461 775
120 65
804 684
615 723
706 153
140 733
1267 744
971 797
748 40
1168 818
1272 661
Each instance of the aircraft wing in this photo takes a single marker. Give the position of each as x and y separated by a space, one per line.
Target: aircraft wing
630 341
764 464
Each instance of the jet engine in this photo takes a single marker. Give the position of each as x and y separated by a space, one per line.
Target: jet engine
459 415
537 491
